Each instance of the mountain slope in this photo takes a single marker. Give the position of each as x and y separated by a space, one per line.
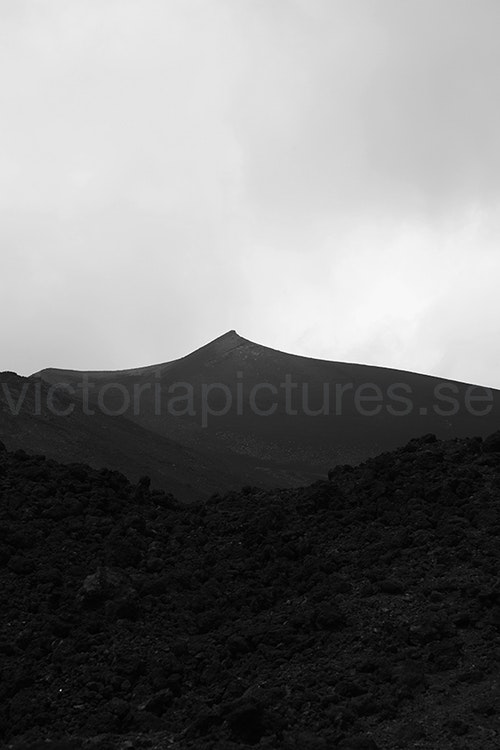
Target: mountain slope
358 613
235 397
33 418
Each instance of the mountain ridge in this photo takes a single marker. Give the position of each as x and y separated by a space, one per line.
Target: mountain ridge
232 340
225 338
234 412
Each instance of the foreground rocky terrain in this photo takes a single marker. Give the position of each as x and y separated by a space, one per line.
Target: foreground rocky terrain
358 613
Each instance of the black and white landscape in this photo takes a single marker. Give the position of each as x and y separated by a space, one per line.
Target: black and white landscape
285 536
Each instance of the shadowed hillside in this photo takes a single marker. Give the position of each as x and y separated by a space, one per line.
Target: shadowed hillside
54 424
361 613
291 416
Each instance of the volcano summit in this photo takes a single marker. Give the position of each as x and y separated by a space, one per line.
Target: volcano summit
257 414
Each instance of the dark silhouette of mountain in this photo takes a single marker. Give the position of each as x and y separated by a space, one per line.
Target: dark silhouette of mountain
55 425
276 418
363 612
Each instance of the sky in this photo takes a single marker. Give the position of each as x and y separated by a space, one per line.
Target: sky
322 176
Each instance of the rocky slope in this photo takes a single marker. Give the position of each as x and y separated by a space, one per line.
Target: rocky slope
358 613
238 401
33 418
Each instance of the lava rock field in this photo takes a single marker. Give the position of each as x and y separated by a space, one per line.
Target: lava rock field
357 613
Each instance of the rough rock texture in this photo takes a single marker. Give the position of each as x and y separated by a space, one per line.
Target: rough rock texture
363 612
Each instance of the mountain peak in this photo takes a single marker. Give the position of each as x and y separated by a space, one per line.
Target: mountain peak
223 343
228 336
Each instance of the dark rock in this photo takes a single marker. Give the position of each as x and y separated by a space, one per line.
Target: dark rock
390 586
458 727
236 644
410 733
471 677
158 703
349 688
304 741
206 720
294 618
21 565
491 444
246 721
330 617
358 742
411 675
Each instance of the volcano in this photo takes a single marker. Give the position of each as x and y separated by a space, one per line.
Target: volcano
235 412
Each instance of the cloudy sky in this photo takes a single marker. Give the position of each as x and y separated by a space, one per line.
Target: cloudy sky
321 175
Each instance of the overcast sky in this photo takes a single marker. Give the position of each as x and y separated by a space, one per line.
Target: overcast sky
321 175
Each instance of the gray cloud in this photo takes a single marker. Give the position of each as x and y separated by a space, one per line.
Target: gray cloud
322 176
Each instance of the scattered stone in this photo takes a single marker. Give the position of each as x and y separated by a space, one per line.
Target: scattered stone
409 733
330 617
358 742
491 444
353 614
158 703
389 586
458 727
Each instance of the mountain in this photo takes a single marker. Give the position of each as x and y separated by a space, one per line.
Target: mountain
363 612
54 424
232 413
